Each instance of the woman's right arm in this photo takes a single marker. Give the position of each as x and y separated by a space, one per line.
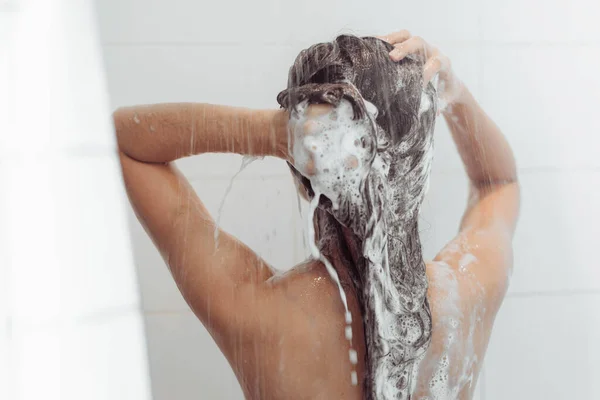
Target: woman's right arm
489 162
489 221
484 241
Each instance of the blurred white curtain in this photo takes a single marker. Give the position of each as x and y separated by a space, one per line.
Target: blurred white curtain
71 325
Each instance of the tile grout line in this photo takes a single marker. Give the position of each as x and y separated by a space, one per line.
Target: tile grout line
194 44
295 227
555 169
480 84
164 313
540 43
482 382
480 48
553 293
100 316
465 43
74 152
480 89
248 177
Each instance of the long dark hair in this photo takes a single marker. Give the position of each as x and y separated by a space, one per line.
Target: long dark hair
354 69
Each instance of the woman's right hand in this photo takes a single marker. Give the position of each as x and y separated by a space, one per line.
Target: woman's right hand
435 62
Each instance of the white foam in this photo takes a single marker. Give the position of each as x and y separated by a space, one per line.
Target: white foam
425 103
332 149
465 261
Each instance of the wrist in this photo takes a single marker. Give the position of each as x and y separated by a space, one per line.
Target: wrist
459 94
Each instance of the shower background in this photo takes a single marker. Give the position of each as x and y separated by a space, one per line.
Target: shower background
533 64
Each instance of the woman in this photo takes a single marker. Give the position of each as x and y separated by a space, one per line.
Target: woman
284 334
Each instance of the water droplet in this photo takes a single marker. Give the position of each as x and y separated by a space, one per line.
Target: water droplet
353 356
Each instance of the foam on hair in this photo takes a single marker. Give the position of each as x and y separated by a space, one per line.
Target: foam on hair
379 201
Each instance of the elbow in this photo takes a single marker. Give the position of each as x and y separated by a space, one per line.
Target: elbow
125 132
496 175
117 119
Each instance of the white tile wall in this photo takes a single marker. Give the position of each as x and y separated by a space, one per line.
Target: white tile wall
448 190
532 64
258 212
478 393
556 243
225 165
238 74
543 21
548 255
543 98
189 21
185 362
545 348
272 21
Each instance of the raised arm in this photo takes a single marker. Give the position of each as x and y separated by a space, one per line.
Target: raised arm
489 163
149 138
162 133
488 224
484 241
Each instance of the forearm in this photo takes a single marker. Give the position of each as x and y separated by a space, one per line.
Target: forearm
165 132
486 154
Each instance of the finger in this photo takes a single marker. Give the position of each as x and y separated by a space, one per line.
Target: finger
435 65
396 37
432 67
414 45
317 110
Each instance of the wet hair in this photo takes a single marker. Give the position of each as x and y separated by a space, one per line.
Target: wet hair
321 74
378 239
